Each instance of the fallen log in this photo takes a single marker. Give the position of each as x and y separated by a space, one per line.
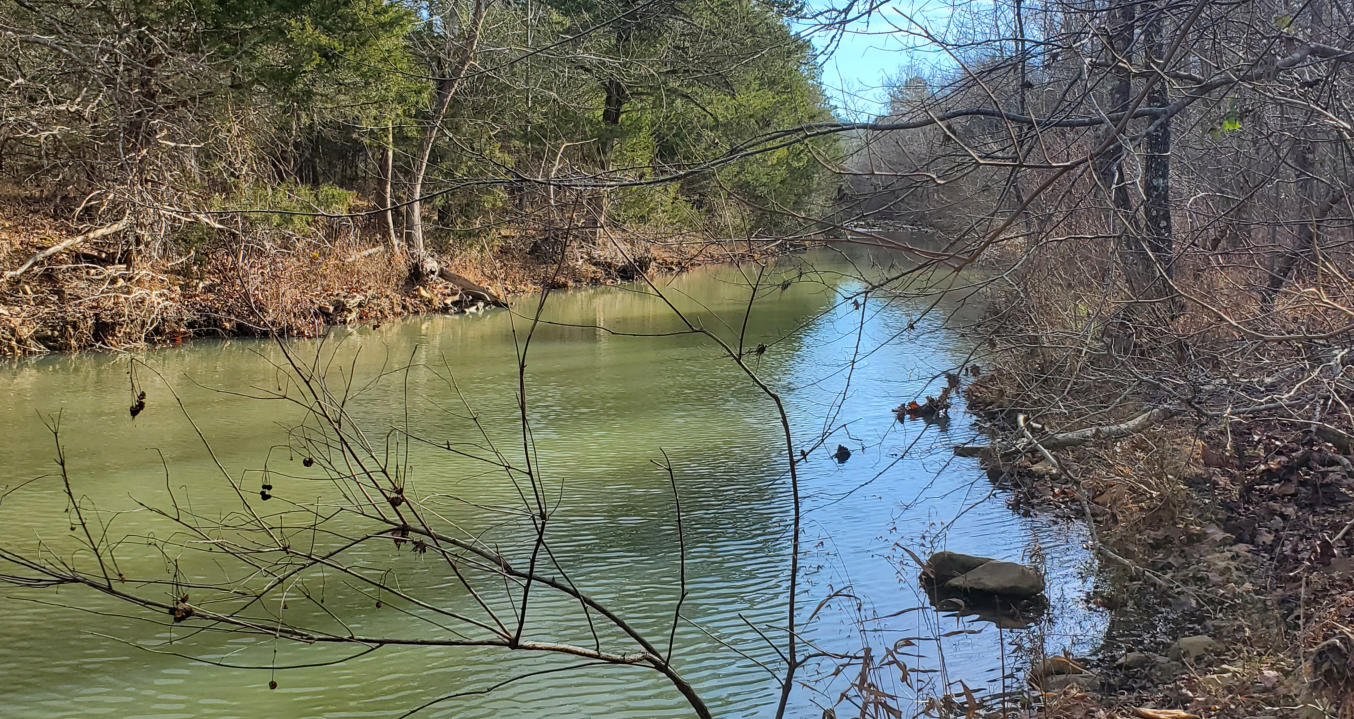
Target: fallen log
67 244
1072 438
364 253
470 289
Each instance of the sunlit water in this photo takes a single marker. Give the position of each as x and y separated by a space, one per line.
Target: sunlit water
604 407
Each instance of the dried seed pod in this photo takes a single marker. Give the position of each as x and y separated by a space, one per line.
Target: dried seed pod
181 611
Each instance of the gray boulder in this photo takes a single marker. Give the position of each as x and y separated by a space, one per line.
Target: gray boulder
1136 660
944 566
1167 670
1006 579
1193 649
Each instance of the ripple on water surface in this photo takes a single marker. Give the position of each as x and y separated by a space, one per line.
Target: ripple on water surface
602 409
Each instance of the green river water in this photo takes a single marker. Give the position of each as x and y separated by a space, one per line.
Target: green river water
604 406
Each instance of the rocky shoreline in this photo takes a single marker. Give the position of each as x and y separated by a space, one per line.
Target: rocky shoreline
1215 598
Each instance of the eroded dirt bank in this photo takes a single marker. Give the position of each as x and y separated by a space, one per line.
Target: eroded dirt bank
69 286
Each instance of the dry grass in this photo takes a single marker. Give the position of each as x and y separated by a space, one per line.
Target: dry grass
244 279
1237 499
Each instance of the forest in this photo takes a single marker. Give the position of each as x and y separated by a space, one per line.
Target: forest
1069 285
235 140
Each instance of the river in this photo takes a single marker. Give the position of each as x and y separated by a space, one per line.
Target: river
605 407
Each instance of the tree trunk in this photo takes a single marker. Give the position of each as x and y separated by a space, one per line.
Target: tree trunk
389 199
616 96
1024 133
1110 172
1121 215
1304 247
1158 237
421 263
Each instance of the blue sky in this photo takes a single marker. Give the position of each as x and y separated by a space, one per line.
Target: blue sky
857 68
872 51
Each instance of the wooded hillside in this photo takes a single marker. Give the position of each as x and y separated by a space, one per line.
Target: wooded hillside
319 129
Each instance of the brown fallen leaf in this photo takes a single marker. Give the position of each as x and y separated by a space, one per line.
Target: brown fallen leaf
1213 458
1144 713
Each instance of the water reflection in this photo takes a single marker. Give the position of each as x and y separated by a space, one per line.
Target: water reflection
612 381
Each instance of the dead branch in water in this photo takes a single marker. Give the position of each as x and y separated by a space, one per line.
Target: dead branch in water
1073 438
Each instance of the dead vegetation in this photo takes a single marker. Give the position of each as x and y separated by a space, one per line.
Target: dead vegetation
1220 498
108 291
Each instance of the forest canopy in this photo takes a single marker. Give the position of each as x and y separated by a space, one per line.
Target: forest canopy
449 111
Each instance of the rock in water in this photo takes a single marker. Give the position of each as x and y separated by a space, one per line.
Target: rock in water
842 454
941 567
1006 579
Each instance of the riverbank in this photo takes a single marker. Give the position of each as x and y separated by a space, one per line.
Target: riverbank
68 286
1224 547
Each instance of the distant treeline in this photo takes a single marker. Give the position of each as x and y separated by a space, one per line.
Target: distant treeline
465 116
